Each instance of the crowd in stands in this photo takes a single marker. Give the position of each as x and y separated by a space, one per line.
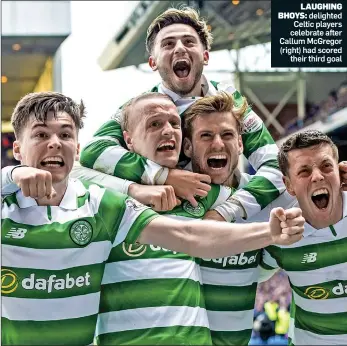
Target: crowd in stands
271 312
7 158
336 100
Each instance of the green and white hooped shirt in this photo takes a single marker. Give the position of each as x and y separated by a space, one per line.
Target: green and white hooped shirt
53 261
317 271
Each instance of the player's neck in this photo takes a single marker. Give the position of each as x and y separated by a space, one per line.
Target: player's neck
196 92
232 181
60 189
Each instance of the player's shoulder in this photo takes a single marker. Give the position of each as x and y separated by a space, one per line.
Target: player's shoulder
228 87
244 178
218 193
224 86
110 199
284 200
213 193
98 197
155 89
217 189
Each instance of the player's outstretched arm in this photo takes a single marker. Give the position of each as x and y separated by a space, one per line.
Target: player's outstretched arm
212 239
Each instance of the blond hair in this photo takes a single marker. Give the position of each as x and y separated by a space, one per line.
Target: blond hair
127 108
221 102
184 15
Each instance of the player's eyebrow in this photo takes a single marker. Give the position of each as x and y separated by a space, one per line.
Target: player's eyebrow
64 126
299 168
38 125
175 37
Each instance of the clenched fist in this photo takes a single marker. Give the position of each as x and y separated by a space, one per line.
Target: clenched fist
33 182
286 226
158 197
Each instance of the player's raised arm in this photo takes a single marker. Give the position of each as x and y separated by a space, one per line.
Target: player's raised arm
211 239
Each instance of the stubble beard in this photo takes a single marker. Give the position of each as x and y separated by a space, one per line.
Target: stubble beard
229 181
165 76
196 165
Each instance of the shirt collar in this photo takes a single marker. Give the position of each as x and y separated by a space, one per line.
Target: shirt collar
309 230
74 190
207 88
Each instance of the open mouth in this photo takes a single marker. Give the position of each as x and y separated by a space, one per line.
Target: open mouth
321 198
166 147
217 161
181 68
53 161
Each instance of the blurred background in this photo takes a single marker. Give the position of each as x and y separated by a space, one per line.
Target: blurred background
94 50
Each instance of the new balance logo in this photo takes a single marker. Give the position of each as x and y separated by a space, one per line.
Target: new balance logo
16 233
309 257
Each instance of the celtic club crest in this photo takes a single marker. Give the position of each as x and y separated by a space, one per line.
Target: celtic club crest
81 232
198 211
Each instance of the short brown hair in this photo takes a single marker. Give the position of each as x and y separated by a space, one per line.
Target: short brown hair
221 102
40 103
183 15
301 140
126 109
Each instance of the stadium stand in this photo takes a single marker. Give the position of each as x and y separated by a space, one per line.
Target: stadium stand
30 56
336 100
271 312
242 24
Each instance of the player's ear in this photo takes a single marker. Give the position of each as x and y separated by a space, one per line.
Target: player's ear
206 57
16 150
152 63
187 147
288 185
240 145
78 149
128 140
